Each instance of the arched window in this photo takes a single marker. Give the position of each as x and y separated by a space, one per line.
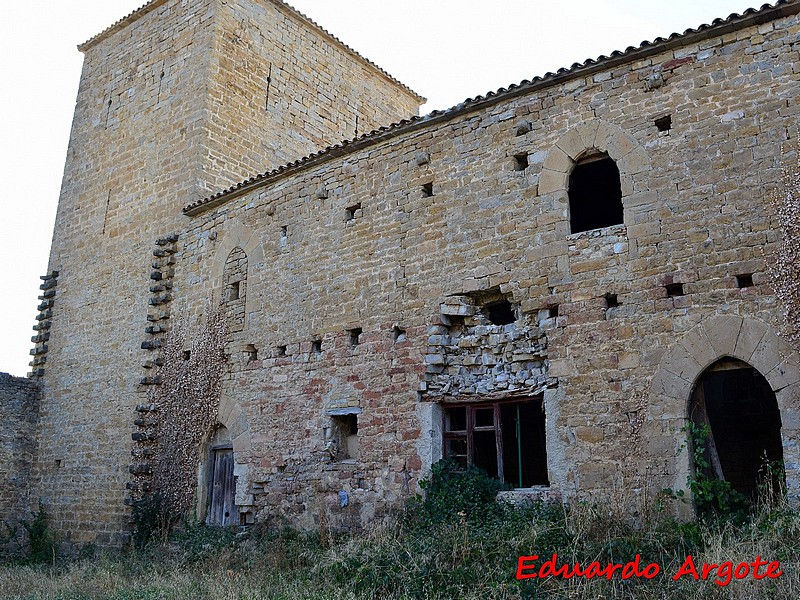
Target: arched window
595 194
235 288
739 406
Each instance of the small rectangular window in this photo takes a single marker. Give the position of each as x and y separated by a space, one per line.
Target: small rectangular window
355 336
427 190
674 289
351 213
520 162
744 281
316 346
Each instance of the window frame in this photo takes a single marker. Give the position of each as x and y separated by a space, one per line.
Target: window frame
497 428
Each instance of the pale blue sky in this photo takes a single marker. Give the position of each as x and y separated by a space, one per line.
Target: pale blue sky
446 50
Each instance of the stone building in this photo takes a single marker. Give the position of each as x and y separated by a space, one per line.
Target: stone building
277 293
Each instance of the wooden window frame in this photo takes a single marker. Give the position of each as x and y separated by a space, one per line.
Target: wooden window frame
468 433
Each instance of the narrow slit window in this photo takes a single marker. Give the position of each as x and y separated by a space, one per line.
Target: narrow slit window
595 194
316 346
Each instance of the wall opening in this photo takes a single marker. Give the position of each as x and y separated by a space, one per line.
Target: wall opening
341 436
674 290
740 408
235 288
595 194
354 336
500 313
520 162
506 439
744 281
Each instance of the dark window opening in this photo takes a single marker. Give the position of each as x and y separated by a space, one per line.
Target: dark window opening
738 405
399 334
611 301
674 289
284 231
595 194
251 352
316 346
744 281
520 162
427 190
553 308
232 291
664 123
506 439
344 437
187 354
500 313
281 350
355 336
352 212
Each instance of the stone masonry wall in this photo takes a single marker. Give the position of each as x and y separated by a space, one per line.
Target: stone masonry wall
363 251
19 412
144 141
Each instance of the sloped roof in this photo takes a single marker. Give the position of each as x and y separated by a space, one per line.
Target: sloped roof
733 22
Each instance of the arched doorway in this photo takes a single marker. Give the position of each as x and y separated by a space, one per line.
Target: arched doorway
740 408
218 481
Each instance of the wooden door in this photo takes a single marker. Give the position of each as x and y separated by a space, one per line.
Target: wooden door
222 488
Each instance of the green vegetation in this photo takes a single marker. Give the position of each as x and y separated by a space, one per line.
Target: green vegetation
457 543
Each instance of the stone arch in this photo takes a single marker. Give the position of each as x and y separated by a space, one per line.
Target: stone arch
231 235
597 136
747 339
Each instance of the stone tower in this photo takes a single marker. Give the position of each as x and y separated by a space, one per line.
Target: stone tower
178 100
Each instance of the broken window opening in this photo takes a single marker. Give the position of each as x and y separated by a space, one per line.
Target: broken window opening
744 281
500 313
427 189
674 290
506 439
341 438
595 194
355 336
742 413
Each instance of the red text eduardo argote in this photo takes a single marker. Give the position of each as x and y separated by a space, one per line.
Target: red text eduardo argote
529 567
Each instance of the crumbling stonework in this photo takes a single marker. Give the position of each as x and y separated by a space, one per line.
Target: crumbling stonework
426 266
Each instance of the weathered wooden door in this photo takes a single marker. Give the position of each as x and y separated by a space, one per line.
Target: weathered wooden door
222 492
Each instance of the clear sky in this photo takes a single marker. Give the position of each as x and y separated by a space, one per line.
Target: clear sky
446 50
